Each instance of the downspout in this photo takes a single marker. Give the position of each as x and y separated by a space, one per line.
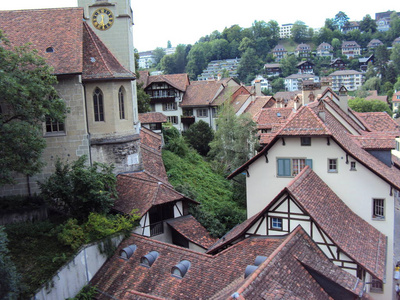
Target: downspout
28 186
87 123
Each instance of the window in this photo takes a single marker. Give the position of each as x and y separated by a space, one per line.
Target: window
290 167
353 166
170 106
202 113
180 269
121 103
376 285
332 165
306 141
53 126
276 223
98 105
172 119
378 209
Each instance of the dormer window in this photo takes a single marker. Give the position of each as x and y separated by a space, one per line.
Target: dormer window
148 260
180 269
49 50
127 252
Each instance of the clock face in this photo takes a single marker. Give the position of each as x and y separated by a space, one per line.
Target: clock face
102 18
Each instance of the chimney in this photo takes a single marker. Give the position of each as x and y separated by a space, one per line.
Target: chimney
219 77
257 85
343 99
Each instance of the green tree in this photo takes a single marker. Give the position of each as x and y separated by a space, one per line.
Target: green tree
368 24
78 189
27 97
234 139
199 135
395 58
143 100
372 84
278 85
299 32
340 20
158 54
362 105
10 279
288 65
249 66
175 63
197 60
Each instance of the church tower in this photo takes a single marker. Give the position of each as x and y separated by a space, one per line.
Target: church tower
114 138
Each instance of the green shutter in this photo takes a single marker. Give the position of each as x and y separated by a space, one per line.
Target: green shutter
309 163
284 167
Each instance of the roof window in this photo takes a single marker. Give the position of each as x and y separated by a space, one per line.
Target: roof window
180 269
251 268
127 252
149 259
49 50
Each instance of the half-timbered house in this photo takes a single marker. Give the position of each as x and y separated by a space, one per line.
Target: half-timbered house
350 154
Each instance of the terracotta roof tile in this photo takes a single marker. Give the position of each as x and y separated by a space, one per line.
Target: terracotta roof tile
191 229
152 117
258 103
45 28
360 240
178 81
378 121
200 93
288 265
98 61
272 117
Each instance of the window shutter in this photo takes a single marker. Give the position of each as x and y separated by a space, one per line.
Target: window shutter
309 163
283 166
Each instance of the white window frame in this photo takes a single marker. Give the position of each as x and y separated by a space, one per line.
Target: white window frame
172 119
378 209
170 106
202 112
276 223
331 162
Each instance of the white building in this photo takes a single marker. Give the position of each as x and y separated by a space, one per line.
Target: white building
294 81
350 79
285 31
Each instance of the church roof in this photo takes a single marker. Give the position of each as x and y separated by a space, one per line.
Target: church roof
291 262
67 43
59 31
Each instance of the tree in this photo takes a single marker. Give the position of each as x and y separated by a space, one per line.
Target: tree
234 139
158 54
10 279
288 65
174 63
299 32
249 66
395 57
197 60
199 135
362 105
27 97
278 85
78 190
368 24
340 20
143 100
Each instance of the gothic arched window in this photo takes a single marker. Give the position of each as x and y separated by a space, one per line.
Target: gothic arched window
98 105
121 104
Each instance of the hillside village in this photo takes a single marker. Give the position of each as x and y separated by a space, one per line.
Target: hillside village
322 190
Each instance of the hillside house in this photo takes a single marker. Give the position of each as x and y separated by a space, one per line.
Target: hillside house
273 69
343 156
350 79
325 50
373 44
302 50
305 67
338 63
279 52
351 49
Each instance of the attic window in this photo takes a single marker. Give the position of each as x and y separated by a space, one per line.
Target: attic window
149 259
127 252
251 268
180 269
49 50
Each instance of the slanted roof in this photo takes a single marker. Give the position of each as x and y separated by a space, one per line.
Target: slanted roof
60 28
258 103
219 276
142 191
356 237
178 81
201 93
98 61
378 122
353 235
152 117
297 269
272 117
192 230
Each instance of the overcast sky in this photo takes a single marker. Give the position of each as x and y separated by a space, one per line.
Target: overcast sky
184 22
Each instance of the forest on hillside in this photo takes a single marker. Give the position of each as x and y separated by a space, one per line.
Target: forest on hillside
254 44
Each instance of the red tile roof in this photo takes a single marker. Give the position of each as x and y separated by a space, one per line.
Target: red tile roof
61 29
354 236
378 121
289 260
152 117
178 81
191 229
98 61
141 191
201 93
258 103
272 117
